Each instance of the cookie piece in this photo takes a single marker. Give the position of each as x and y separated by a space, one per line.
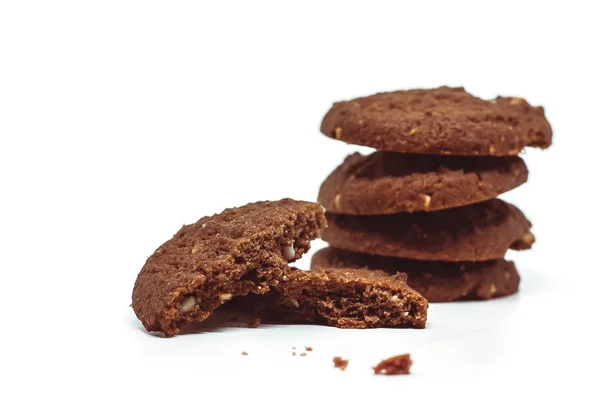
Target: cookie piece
398 365
477 232
240 250
437 281
339 362
439 121
389 183
344 298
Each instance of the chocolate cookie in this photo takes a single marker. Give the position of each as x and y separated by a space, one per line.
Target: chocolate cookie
389 183
439 121
480 231
438 281
240 250
344 298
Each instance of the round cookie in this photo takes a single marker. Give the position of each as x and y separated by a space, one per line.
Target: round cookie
438 281
477 232
439 121
238 251
388 183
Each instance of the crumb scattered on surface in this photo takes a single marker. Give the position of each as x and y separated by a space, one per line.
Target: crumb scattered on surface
302 354
293 353
293 347
339 362
254 323
308 348
244 353
398 365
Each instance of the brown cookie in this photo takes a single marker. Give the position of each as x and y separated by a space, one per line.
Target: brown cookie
389 183
240 250
477 232
439 121
344 298
438 281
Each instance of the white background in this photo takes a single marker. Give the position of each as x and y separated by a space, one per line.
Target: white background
122 120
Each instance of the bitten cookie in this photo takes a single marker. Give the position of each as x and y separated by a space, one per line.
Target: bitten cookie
344 298
477 232
438 281
389 183
240 250
439 121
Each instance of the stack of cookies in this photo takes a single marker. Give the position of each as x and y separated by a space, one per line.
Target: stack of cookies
425 202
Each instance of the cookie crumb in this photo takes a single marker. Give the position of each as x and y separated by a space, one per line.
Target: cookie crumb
293 347
309 348
254 323
302 354
398 365
244 353
293 353
339 362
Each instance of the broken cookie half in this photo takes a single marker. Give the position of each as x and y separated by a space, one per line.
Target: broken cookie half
344 298
241 250
246 250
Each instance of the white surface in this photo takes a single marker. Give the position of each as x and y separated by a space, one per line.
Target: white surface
120 121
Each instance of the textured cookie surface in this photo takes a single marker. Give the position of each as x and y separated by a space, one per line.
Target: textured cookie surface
481 231
439 121
437 281
240 250
344 298
388 183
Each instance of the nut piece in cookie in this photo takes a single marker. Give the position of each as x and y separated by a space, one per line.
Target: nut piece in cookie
344 298
239 251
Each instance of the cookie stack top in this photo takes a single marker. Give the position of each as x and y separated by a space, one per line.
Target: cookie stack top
447 121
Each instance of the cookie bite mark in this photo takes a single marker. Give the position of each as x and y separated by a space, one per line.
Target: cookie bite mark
242 250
